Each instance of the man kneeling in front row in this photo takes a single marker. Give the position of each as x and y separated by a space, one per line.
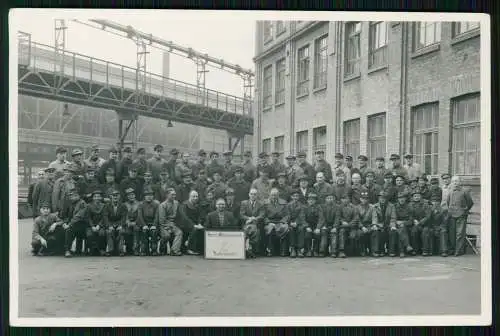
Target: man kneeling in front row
48 233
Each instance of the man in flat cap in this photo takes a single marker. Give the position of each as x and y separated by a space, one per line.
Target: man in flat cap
96 230
132 181
371 187
172 162
281 184
156 163
276 164
304 189
356 189
249 169
94 160
252 216
231 205
48 235
385 217
214 166
124 164
339 166
218 187
110 184
263 163
146 239
401 186
435 189
293 171
397 168
200 163
363 166
349 162
345 233
31 189
276 224
420 212
327 224
239 185
438 227
229 166
389 187
116 221
60 162
131 229
295 210
380 170
43 192
183 168
423 188
110 163
77 161
183 189
322 166
306 167
89 184
399 235
263 184
75 222
322 188
312 218
192 223
367 224
140 162
413 169
169 219
341 187
446 186
165 183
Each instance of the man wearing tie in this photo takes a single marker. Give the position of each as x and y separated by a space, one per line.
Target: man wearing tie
252 216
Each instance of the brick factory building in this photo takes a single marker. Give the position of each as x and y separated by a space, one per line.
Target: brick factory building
372 88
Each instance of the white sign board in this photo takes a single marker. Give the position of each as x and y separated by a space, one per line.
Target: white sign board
224 245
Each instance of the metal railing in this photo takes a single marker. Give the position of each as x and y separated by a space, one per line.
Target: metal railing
41 57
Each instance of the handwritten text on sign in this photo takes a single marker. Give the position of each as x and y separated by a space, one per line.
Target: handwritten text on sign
224 245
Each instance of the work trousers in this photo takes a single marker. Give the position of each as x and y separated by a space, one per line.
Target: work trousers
276 236
374 241
55 242
440 239
96 240
399 239
252 236
147 239
299 238
77 231
343 238
427 236
173 235
458 229
115 236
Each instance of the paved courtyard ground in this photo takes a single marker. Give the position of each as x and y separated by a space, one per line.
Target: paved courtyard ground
191 286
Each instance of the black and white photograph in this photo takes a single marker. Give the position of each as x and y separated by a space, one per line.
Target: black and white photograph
225 168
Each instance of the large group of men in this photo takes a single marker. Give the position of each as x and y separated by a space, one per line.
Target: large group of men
157 206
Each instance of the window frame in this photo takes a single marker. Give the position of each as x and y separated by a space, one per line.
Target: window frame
419 153
279 92
280 139
303 83
268 27
317 131
266 143
455 32
352 143
372 51
303 147
280 24
469 124
355 62
374 139
320 79
417 34
267 92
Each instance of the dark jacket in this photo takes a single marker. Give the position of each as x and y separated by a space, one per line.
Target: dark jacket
241 189
247 211
115 218
330 216
122 169
108 164
191 215
147 213
213 222
385 215
276 212
43 193
459 202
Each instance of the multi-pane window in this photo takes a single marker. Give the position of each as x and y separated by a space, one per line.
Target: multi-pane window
280 81
266 145
302 142
320 61
466 136
303 71
377 44
279 146
268 31
352 48
319 138
376 137
267 89
425 122
426 34
280 27
463 27
351 137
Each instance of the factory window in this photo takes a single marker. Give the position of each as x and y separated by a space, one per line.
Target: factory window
320 62
303 71
425 122
464 27
279 146
268 87
351 137
353 48
302 142
268 31
376 137
378 44
466 136
266 145
426 34
280 27
280 82
319 138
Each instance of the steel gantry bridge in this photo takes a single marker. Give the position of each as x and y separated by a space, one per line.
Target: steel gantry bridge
54 73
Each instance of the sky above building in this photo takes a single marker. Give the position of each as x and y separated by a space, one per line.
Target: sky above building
227 39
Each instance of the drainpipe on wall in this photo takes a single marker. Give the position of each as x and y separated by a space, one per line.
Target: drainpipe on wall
338 89
405 86
291 70
402 113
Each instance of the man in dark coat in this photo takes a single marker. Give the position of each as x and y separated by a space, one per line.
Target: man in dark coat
147 225
156 163
116 219
48 233
306 167
276 164
239 185
200 163
172 162
111 163
322 166
192 224
124 164
252 215
141 164
31 189
276 223
221 218
249 169
132 181
42 192
74 218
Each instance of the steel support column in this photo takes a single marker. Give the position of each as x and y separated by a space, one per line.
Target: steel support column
233 144
60 47
247 94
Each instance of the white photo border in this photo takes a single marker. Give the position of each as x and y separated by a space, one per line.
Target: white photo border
485 318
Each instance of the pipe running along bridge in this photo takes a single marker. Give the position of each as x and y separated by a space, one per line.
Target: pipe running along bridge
74 78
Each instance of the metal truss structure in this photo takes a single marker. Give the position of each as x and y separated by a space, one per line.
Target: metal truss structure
88 81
